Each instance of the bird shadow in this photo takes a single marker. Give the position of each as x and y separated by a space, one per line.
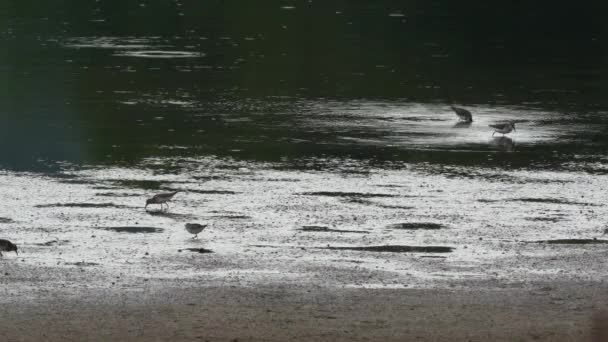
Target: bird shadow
463 124
503 143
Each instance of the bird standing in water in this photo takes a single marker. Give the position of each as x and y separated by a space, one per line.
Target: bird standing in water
161 199
504 128
463 114
195 228
7 246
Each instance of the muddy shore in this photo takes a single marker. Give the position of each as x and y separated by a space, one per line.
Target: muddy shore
160 311
393 254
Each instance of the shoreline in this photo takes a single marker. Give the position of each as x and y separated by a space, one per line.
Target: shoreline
170 310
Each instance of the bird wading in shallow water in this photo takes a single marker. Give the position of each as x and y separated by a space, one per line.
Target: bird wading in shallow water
504 128
7 246
195 228
463 114
161 199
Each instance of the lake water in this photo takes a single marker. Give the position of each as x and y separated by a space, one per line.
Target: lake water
275 116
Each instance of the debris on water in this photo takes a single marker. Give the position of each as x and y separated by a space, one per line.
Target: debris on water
324 229
416 225
396 249
134 229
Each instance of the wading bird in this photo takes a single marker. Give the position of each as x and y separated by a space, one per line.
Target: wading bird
7 246
504 128
160 199
463 114
195 228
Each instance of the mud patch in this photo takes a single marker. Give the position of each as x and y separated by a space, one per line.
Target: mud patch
117 194
52 243
83 264
82 205
540 200
395 249
323 229
175 216
544 219
233 217
196 250
416 226
214 192
346 194
573 241
133 230
139 184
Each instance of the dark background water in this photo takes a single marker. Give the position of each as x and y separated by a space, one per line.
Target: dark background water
288 81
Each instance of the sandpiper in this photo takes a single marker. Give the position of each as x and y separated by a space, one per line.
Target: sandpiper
161 199
463 114
7 246
195 228
504 128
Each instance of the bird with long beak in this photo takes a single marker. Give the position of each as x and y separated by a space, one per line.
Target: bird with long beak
161 199
7 246
504 128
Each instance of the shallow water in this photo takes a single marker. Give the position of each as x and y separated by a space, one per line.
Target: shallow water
300 142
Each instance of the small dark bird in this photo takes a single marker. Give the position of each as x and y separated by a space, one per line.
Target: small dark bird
195 228
463 114
7 246
504 128
160 199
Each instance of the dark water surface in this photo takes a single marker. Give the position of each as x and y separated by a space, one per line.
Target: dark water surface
301 83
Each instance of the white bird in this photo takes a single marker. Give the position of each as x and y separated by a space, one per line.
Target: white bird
463 114
195 228
504 128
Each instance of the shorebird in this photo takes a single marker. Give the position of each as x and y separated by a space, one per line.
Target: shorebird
161 199
195 228
463 114
7 246
504 128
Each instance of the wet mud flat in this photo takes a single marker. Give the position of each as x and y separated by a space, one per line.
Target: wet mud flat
271 235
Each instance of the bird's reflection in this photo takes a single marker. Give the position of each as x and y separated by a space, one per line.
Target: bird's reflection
504 143
462 124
